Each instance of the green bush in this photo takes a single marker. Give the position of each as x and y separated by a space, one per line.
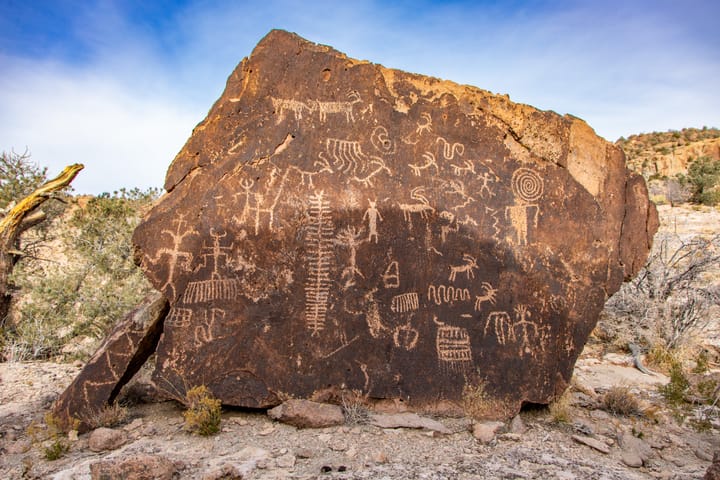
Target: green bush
703 177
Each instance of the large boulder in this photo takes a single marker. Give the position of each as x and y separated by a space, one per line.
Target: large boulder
333 224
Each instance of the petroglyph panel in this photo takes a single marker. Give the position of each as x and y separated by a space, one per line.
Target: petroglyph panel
334 224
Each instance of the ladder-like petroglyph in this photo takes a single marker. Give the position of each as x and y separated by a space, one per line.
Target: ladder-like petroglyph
405 302
319 259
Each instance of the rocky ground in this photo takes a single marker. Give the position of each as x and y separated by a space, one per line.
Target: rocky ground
576 440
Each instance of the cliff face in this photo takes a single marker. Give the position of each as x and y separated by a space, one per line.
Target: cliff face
334 224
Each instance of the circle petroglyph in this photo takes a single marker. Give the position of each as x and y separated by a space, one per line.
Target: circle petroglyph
527 185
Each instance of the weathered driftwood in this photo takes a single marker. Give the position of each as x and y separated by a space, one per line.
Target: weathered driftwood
21 217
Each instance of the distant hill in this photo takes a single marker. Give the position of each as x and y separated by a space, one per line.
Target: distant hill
665 154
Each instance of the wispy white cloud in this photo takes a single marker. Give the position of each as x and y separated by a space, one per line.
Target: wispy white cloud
126 103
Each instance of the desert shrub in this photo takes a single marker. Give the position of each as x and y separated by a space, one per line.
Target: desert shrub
204 412
354 407
674 391
50 436
703 177
19 176
109 416
86 280
560 411
618 400
671 297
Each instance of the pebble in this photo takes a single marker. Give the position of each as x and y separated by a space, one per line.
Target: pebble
285 461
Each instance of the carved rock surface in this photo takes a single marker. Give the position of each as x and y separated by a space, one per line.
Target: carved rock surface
120 356
336 224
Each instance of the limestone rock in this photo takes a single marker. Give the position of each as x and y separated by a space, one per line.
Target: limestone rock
307 414
333 224
120 356
137 467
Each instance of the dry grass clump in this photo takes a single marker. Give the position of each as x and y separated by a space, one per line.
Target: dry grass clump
478 404
354 408
560 410
204 412
109 416
618 400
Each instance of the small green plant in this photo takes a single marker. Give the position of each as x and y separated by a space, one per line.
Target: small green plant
618 400
57 448
204 412
674 391
701 362
50 436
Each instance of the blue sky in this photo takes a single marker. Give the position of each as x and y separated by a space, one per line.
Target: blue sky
119 85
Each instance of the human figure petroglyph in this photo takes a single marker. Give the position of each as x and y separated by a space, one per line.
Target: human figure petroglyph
405 302
217 254
173 254
280 105
429 162
319 257
372 214
448 294
450 149
527 187
468 267
345 108
488 296
350 237
530 333
487 178
259 204
450 226
423 208
391 276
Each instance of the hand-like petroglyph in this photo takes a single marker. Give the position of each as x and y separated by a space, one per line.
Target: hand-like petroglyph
405 336
450 149
457 187
382 141
280 105
262 203
502 326
319 256
487 178
429 162
422 208
468 267
179 318
424 125
453 348
488 296
345 108
467 167
350 238
174 254
391 276
205 332
447 294
373 215
527 187
323 167
405 302
216 288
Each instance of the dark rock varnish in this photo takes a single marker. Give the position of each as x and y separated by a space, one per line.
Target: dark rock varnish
333 224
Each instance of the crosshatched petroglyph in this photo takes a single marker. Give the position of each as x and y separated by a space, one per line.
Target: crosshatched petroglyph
179 318
405 302
319 260
447 294
453 347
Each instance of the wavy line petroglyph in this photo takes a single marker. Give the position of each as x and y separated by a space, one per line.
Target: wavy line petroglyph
449 150
447 294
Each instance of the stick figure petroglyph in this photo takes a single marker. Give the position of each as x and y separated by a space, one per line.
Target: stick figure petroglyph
350 237
487 178
174 255
216 252
373 215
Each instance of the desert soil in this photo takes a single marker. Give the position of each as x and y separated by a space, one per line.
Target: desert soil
252 446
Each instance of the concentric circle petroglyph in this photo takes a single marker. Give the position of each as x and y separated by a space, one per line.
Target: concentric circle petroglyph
527 185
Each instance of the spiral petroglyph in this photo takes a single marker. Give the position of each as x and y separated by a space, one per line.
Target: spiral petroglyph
527 185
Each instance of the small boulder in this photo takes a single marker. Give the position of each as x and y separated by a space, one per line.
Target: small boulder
517 426
485 432
103 439
592 443
307 414
137 467
633 449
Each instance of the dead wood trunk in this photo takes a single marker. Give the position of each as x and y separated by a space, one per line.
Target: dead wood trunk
21 217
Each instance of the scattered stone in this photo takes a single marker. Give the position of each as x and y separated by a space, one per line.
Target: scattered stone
713 471
517 425
339 446
119 357
300 212
407 420
634 448
513 437
267 430
224 472
285 461
703 454
307 414
137 467
484 432
631 459
379 457
102 439
591 442
599 415
304 452
17 447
